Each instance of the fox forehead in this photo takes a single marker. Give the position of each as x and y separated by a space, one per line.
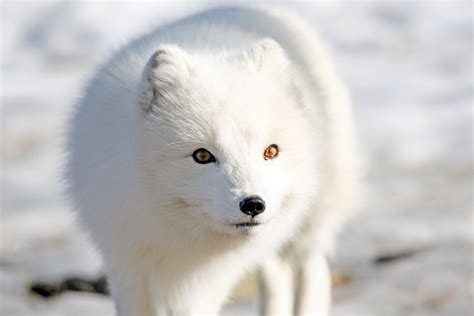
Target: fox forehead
218 107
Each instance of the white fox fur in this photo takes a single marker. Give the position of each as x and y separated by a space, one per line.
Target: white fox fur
232 81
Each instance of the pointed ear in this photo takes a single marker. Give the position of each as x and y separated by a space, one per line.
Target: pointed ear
267 54
165 70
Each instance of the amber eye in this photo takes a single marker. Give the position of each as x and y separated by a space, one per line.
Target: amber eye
270 152
203 156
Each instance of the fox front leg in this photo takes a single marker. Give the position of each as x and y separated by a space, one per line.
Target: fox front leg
277 287
314 286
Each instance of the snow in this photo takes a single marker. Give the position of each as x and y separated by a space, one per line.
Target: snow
409 67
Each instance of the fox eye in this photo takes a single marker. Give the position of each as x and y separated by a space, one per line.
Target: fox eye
203 156
271 152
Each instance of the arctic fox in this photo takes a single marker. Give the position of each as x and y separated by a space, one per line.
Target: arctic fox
211 146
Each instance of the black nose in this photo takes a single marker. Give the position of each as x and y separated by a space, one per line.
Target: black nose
252 205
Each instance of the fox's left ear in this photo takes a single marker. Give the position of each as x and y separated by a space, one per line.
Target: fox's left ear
267 54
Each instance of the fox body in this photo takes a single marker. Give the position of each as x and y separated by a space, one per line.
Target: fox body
206 148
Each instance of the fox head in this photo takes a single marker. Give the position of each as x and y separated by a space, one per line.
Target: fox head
227 145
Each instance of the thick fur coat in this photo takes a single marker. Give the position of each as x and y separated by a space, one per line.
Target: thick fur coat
232 81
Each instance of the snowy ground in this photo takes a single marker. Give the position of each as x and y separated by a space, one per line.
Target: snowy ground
409 66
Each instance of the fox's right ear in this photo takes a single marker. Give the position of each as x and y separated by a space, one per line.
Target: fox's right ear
267 54
164 71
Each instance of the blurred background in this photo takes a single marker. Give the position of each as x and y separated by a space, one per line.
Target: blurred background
409 66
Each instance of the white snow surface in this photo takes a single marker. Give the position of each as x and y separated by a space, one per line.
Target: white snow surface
409 67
